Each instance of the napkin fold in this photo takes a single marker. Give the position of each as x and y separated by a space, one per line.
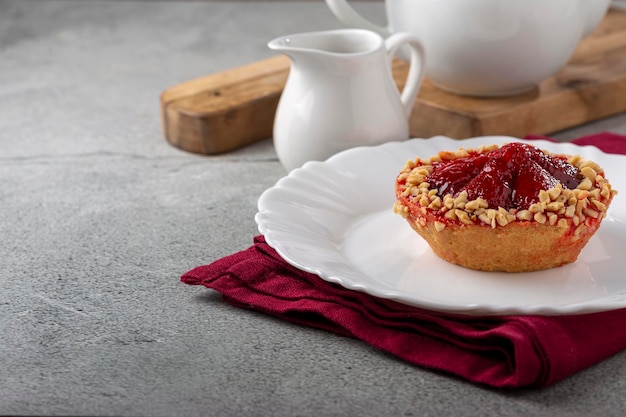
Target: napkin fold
499 351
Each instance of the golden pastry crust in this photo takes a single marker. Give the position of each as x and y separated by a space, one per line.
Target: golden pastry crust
550 232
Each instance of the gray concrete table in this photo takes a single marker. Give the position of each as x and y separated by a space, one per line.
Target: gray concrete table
100 216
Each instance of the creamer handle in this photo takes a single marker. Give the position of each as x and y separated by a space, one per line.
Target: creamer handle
347 15
417 66
595 14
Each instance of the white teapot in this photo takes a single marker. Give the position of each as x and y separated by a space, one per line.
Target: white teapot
488 47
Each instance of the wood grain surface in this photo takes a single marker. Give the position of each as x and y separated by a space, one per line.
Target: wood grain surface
230 109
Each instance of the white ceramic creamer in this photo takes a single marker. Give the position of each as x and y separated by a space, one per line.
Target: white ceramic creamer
487 47
340 93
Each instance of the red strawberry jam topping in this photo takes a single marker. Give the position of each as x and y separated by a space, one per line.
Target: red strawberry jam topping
451 177
509 177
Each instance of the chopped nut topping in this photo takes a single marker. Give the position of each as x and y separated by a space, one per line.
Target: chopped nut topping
557 206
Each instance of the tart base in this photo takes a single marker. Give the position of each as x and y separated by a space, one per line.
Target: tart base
516 247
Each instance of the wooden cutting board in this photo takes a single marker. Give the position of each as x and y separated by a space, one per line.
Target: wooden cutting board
233 108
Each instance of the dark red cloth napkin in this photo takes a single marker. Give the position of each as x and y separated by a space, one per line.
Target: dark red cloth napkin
498 351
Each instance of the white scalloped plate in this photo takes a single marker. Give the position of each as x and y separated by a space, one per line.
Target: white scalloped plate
335 219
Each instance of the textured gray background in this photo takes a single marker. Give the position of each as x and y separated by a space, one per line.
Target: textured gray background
99 217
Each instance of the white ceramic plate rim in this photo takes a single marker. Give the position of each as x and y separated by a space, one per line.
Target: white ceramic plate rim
304 218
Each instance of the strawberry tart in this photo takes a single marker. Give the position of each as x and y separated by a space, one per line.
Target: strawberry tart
511 208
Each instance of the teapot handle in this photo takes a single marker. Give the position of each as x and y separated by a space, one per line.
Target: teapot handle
347 15
416 66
